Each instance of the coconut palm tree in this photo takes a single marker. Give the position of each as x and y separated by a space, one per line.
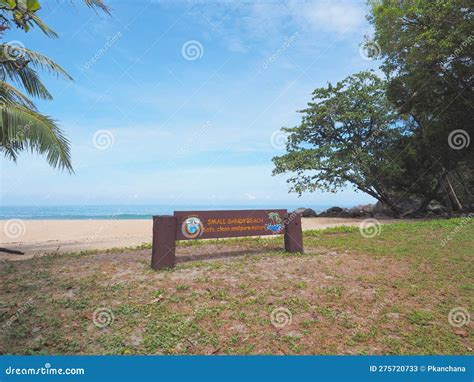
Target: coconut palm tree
22 126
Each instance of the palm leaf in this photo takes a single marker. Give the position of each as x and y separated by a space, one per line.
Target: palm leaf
29 79
44 28
11 96
23 129
30 57
98 4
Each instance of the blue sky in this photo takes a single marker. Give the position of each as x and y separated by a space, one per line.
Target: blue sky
178 102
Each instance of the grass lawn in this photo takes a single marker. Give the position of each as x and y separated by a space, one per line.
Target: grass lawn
348 294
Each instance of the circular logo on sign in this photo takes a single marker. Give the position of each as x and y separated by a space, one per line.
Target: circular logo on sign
192 227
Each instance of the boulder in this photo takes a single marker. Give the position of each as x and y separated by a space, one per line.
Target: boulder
358 211
367 208
306 212
334 210
331 212
382 211
349 213
408 205
436 208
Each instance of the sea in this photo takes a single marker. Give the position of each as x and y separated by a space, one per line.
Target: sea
123 212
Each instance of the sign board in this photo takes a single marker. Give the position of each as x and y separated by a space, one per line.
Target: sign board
217 224
193 225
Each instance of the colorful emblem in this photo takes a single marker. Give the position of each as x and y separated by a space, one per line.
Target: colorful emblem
276 224
192 227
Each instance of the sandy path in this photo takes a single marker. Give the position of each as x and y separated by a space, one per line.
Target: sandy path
41 236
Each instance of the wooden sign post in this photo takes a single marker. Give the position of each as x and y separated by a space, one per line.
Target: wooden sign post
193 225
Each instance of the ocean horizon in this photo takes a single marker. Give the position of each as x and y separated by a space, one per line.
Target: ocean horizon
124 212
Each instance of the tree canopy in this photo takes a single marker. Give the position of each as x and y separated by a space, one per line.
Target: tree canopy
404 136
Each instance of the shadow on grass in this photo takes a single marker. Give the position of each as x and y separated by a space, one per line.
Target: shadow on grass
226 254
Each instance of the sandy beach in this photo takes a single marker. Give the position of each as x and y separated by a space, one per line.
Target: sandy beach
45 236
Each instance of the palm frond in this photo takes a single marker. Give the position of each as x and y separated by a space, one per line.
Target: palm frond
24 56
23 129
29 79
11 96
98 4
44 28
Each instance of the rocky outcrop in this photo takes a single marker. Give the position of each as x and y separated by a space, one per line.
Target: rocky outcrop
306 212
331 212
363 210
408 208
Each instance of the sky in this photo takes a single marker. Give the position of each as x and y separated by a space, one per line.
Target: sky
182 101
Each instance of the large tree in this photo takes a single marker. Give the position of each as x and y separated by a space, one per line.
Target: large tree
347 136
22 126
405 139
427 50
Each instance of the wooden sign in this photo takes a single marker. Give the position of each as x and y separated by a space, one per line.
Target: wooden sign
216 224
193 225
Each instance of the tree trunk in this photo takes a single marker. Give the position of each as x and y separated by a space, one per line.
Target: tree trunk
453 193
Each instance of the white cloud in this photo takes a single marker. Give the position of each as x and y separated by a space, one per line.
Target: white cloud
269 20
340 17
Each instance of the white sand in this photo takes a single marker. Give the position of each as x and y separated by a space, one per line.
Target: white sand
43 236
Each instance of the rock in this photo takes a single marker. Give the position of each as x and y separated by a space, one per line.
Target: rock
405 204
394 316
382 211
334 210
349 213
306 212
436 208
354 212
331 212
367 208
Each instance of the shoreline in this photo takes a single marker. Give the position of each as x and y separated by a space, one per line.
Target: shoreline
45 236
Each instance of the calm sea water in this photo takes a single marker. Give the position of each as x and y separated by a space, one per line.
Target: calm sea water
123 211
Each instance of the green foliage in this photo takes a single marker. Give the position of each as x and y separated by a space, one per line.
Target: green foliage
22 127
344 138
428 47
390 139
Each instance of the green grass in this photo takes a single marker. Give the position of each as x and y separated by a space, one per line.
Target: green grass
347 294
